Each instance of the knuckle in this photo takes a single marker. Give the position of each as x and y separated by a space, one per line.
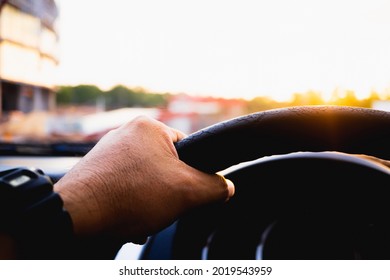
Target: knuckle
141 121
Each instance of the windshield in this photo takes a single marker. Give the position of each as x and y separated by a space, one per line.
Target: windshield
72 70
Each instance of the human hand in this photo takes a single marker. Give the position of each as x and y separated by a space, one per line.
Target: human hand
132 183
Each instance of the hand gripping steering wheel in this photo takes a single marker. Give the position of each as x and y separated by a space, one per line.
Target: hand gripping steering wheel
306 203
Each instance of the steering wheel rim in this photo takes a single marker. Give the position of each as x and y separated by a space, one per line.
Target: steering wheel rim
281 131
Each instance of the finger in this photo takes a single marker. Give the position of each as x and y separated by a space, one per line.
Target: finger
176 135
209 188
222 188
230 186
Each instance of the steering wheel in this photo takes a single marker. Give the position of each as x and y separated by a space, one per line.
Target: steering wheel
303 193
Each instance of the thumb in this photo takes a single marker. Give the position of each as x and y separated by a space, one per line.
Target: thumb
209 188
229 184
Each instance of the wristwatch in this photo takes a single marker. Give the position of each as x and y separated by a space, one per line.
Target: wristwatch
33 214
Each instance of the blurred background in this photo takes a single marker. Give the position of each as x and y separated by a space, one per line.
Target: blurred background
72 70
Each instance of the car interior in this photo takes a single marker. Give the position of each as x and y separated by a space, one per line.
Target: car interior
303 189
290 100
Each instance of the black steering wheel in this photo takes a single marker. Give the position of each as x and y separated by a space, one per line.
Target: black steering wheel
303 195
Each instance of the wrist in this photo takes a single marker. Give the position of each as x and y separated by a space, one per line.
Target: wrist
92 241
81 204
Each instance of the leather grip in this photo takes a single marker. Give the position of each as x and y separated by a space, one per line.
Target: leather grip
281 131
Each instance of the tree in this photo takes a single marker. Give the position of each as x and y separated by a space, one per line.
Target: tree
117 97
78 95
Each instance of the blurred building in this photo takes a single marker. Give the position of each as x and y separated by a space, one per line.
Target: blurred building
28 55
191 113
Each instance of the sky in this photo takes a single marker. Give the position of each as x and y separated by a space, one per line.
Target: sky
228 48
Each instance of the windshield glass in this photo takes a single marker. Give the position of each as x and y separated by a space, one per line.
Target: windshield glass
72 70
